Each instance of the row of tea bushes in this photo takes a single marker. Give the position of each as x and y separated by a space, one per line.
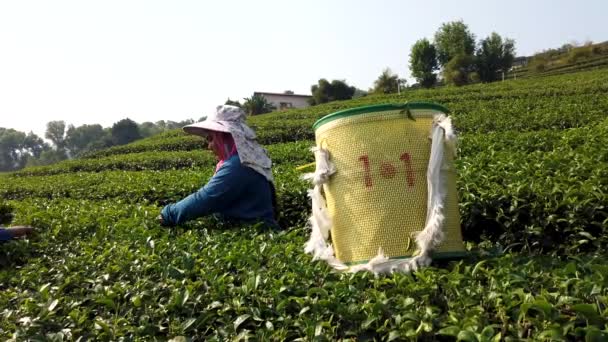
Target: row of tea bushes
295 152
106 271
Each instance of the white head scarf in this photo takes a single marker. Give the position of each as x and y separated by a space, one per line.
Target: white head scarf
231 119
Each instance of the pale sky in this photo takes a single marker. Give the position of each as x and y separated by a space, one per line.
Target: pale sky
101 61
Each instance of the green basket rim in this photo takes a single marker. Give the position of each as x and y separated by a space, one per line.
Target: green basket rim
377 108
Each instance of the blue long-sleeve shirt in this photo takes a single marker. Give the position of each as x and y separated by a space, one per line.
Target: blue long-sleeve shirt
235 192
5 235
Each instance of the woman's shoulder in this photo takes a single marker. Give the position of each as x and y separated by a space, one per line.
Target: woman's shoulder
233 164
233 160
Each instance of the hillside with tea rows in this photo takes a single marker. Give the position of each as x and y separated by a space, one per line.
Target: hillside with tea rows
533 185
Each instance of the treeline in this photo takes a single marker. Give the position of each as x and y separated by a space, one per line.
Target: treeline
19 150
459 58
453 57
325 91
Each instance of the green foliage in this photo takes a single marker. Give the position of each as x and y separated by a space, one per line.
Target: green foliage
567 59
359 93
544 190
257 104
106 270
423 63
233 103
458 70
583 52
17 148
386 83
47 157
125 131
324 91
6 213
293 152
494 55
55 132
454 39
538 64
84 138
164 126
533 190
148 129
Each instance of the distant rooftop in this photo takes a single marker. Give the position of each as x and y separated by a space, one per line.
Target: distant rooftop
281 94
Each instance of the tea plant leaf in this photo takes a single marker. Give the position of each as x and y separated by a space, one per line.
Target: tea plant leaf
450 331
465 335
240 320
588 311
52 305
188 323
532 185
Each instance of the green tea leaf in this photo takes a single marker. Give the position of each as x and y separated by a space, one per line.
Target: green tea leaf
52 305
588 311
239 320
465 335
451 331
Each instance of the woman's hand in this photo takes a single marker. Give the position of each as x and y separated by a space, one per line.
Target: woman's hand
160 220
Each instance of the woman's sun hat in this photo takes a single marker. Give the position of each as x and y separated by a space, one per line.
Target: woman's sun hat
231 119
225 119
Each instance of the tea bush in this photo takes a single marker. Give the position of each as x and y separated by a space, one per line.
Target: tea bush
533 179
293 152
108 271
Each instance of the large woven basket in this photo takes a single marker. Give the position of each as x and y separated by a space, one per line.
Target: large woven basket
378 196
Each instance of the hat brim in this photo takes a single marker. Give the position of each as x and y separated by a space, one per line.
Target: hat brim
203 128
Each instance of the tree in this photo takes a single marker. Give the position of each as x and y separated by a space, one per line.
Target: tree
423 63
104 142
148 129
257 104
493 56
79 140
359 93
16 148
169 125
341 91
55 132
124 132
233 103
387 82
458 70
454 39
34 145
47 157
321 92
326 92
185 123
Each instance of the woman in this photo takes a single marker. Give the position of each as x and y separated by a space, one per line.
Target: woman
242 189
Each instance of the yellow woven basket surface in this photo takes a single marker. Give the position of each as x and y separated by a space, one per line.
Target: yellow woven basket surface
378 196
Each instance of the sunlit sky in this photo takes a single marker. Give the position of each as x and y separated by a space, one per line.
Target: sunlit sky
101 61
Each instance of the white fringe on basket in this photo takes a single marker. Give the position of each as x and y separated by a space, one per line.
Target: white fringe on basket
428 239
432 235
320 221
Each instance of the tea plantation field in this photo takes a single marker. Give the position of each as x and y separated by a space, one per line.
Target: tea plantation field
533 189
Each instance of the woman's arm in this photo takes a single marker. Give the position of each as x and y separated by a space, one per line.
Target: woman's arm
14 232
218 194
